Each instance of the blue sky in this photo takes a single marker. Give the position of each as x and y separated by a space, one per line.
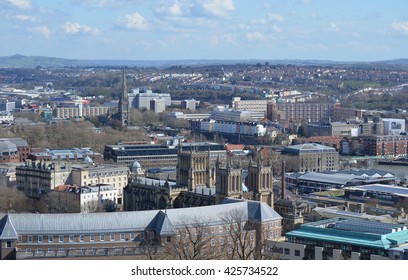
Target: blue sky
344 30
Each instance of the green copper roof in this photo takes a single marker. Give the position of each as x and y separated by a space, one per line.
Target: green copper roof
353 232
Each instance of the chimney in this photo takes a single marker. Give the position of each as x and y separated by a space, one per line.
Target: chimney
283 180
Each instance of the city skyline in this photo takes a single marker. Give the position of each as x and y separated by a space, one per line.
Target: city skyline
208 29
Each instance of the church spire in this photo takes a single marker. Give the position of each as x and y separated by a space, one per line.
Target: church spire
123 106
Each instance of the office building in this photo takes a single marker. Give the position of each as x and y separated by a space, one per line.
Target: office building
8 151
313 157
129 234
299 112
346 238
6 117
157 105
158 155
141 100
394 126
7 106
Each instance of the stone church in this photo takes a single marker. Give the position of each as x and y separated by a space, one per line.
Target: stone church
200 180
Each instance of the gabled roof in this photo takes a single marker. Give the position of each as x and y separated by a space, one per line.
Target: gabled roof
261 212
7 231
161 224
74 223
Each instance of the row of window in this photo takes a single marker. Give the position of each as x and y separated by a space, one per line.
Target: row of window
80 238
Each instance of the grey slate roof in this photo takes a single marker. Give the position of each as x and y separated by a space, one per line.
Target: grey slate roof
7 231
84 223
162 225
340 179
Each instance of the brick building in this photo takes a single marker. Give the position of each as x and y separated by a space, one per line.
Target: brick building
388 146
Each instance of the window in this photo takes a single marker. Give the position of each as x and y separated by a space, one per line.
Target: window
297 253
30 238
81 238
102 237
61 238
92 237
220 229
287 251
40 239
212 229
132 236
212 242
122 236
8 244
20 238
168 239
221 241
112 237
71 238
50 238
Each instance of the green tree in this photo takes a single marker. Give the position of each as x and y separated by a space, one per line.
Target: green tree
302 130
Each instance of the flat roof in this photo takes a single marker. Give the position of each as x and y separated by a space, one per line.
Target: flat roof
353 231
308 147
329 178
388 189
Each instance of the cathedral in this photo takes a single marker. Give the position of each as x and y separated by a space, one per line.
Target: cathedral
200 181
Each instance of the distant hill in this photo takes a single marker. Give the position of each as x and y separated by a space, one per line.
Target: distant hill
21 61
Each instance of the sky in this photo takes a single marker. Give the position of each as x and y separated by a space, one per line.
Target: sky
340 30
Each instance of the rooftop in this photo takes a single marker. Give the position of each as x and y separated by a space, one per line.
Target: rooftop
307 148
353 232
387 189
75 223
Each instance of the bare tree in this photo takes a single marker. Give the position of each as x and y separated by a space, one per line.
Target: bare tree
61 202
240 235
12 199
194 240
247 239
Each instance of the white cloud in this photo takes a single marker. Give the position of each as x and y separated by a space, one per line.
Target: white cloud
43 30
22 4
105 3
218 8
135 21
24 18
231 39
173 10
74 27
400 26
275 17
256 36
276 28
334 27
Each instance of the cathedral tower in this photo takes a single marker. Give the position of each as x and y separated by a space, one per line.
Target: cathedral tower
194 169
260 181
228 182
